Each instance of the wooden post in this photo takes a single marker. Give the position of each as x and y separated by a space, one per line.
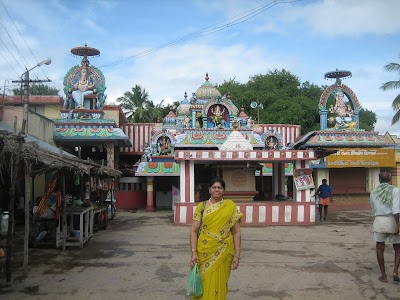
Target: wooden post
27 220
64 214
16 163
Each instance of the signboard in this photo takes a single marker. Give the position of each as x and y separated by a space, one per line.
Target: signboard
303 179
361 158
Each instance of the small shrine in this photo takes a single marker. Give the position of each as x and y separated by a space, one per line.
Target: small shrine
356 155
81 128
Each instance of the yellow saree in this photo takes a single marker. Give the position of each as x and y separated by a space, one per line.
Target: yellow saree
215 247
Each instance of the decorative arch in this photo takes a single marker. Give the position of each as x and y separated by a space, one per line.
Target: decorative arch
272 140
221 121
98 77
353 123
163 143
346 90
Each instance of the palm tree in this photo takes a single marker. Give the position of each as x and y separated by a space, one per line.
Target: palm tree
155 111
134 104
390 85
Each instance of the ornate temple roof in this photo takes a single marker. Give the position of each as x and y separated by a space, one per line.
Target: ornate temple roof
235 142
89 131
342 139
158 169
170 119
207 90
211 138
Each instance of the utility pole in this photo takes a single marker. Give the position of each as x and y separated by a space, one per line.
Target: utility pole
21 140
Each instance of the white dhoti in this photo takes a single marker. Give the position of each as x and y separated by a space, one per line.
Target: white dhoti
78 96
384 224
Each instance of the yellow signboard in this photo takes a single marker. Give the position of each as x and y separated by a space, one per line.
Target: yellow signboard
361 158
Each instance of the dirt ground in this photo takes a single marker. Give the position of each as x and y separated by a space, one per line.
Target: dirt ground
145 256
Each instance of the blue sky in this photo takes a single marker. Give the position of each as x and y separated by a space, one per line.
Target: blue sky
307 38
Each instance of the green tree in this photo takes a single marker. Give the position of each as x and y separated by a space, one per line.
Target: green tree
38 90
156 111
367 119
285 100
390 85
135 103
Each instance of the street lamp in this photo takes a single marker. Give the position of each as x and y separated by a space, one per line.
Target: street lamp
46 61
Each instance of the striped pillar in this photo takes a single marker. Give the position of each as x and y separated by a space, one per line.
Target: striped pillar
182 181
110 155
191 181
150 194
187 181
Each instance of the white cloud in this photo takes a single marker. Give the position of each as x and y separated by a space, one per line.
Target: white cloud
348 17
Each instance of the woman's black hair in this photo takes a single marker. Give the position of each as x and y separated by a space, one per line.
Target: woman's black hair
217 179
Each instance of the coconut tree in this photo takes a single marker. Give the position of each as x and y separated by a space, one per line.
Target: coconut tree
134 104
155 111
390 85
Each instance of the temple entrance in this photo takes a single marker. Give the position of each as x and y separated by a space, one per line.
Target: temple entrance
163 188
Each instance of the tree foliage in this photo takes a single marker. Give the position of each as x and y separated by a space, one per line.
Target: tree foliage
391 85
285 99
38 90
136 105
367 119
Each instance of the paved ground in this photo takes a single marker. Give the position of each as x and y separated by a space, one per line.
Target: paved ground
144 256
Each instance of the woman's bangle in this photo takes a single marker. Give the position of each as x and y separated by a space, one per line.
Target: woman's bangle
237 256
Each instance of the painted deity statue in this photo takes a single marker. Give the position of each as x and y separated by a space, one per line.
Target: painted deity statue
271 143
164 146
186 122
249 123
344 112
147 152
218 116
199 120
83 86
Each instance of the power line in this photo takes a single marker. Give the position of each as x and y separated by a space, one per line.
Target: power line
16 47
8 62
237 19
37 62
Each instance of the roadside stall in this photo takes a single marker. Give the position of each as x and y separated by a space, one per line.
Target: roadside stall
34 158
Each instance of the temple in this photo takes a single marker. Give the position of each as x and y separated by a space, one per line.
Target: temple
209 136
269 169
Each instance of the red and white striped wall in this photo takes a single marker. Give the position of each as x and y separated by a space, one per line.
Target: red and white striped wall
289 133
140 133
258 213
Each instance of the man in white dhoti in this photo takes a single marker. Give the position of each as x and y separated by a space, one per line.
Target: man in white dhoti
385 202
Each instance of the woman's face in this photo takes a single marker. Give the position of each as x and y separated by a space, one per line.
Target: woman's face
216 191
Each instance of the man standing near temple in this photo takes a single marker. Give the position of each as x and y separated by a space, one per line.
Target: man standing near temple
385 202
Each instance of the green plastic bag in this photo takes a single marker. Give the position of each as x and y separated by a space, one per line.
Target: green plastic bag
195 286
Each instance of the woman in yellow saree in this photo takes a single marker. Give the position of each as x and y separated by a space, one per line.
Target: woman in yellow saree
215 241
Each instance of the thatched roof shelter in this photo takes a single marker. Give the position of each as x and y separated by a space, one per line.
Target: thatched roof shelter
40 157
